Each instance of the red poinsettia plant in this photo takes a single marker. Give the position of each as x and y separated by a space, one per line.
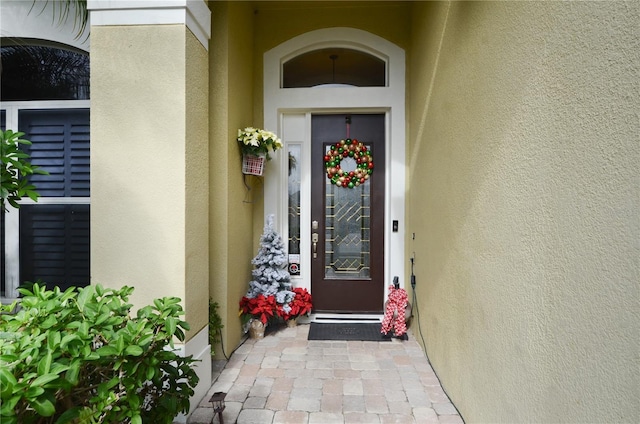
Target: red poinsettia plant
260 307
300 305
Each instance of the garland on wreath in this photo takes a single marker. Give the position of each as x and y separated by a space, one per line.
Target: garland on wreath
359 153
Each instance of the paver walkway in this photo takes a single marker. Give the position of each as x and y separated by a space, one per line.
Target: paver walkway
285 378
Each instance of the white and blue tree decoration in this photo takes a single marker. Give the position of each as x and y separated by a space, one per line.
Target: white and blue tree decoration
270 274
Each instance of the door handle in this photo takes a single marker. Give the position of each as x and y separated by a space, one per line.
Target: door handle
314 240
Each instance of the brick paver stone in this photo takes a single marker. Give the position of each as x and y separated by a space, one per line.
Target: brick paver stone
287 379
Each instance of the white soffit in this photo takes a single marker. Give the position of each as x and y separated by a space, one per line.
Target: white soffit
193 13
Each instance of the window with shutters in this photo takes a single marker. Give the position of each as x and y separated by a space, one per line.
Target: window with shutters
48 240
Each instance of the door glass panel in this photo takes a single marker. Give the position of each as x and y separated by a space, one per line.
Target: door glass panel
294 209
347 229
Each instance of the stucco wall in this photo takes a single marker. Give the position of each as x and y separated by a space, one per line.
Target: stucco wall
139 162
524 204
196 184
232 203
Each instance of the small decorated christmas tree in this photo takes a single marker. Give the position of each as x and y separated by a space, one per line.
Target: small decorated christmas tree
271 279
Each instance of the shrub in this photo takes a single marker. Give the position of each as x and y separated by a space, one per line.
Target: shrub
78 356
215 325
15 170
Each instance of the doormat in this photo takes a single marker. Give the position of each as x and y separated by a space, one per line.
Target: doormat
368 332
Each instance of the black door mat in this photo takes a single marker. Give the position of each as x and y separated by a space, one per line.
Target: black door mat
346 331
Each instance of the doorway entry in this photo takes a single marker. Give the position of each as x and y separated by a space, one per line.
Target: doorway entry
347 221
359 233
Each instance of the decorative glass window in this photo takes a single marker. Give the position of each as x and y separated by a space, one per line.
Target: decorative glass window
334 66
294 184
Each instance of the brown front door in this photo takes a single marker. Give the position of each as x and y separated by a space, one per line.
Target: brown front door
347 260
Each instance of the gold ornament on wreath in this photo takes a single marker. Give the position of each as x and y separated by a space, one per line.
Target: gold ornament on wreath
355 150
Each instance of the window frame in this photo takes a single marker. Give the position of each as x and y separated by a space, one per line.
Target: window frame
12 216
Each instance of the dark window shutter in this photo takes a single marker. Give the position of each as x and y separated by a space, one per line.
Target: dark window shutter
54 244
61 147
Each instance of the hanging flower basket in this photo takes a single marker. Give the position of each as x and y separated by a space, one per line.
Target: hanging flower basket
255 145
252 165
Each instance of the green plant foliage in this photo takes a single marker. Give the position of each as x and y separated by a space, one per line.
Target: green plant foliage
15 170
215 324
79 357
65 8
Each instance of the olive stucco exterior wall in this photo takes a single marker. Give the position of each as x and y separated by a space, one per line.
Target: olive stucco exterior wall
149 183
524 203
149 171
232 203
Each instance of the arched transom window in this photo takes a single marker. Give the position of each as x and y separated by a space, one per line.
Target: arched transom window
334 66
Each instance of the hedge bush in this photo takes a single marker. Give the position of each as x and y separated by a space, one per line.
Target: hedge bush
78 356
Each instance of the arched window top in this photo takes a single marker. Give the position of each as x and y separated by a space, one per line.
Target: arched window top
334 66
42 70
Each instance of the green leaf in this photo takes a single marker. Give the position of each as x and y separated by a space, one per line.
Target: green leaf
68 416
33 392
8 406
102 318
145 340
58 368
9 419
107 351
7 381
53 341
136 419
151 371
44 366
83 329
120 344
171 323
43 379
84 297
68 339
49 322
44 405
134 402
133 350
73 372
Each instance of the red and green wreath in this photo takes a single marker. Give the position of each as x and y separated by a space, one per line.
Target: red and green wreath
353 149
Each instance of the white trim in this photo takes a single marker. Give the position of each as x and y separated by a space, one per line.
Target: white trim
44 104
11 254
195 14
199 347
281 104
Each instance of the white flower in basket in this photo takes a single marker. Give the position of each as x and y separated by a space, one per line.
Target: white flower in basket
255 145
